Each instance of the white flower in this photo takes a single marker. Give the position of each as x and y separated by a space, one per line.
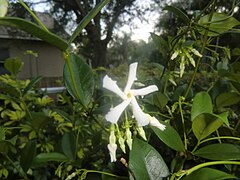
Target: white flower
129 97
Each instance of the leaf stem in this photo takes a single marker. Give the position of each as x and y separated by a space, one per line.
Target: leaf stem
183 122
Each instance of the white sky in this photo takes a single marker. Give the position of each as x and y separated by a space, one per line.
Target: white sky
141 30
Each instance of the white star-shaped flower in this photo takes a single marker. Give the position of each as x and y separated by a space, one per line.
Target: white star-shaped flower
129 97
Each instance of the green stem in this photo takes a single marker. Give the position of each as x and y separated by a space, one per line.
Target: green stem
201 52
183 122
67 59
22 173
209 164
217 138
33 15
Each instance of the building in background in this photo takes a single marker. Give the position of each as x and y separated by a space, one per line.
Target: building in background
49 62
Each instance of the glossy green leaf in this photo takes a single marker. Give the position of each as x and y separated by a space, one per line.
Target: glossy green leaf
80 84
39 120
208 174
221 151
13 65
202 103
170 137
35 30
145 162
177 12
205 124
43 158
3 7
227 99
87 19
219 23
28 154
69 145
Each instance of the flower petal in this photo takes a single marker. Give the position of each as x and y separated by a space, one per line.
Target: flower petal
156 123
144 91
112 148
114 114
131 76
141 117
111 85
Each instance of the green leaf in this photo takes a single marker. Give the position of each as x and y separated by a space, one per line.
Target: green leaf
69 145
6 146
219 23
43 158
3 7
35 30
208 174
202 103
177 12
221 151
87 19
205 124
13 65
227 99
2 134
161 44
39 120
79 80
28 154
170 137
160 100
32 83
9 90
145 162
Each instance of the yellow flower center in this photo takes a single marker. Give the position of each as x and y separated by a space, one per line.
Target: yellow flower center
129 95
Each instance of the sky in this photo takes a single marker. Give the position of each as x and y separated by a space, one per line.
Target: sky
141 29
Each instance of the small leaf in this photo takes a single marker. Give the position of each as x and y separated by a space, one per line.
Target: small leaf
177 12
202 103
208 174
69 145
3 7
219 23
221 151
160 99
205 124
145 162
28 154
227 99
170 137
79 80
13 65
33 82
46 157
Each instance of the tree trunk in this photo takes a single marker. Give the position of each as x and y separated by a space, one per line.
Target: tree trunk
99 54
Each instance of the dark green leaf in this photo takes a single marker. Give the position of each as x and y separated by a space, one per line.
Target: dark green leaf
161 44
35 30
6 146
177 12
28 154
160 99
205 124
32 83
208 174
80 84
146 163
170 137
202 103
39 120
227 99
13 65
69 145
46 157
8 89
221 151
218 24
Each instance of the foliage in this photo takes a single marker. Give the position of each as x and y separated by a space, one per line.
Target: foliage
197 104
